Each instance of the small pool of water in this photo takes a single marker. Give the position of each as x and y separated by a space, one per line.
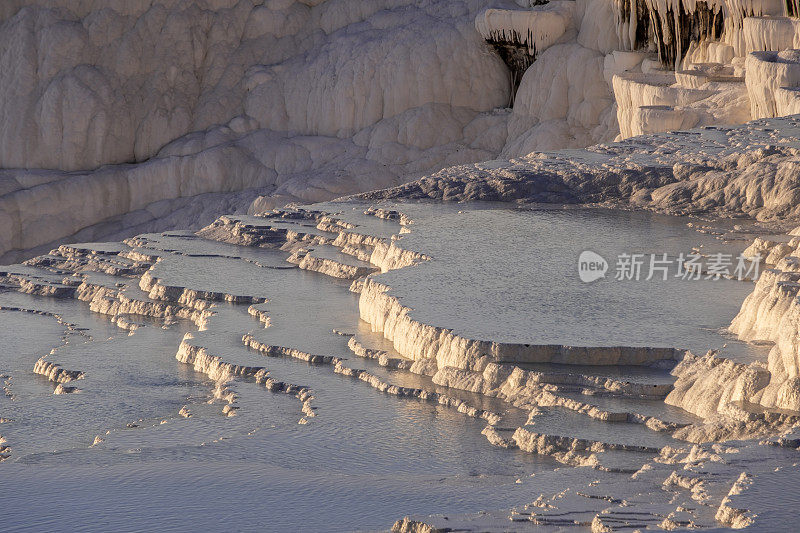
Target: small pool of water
511 275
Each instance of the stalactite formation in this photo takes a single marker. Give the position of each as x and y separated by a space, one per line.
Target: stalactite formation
675 26
793 8
738 10
633 24
669 26
517 53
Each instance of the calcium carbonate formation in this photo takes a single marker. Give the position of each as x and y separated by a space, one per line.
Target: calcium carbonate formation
128 115
120 118
644 464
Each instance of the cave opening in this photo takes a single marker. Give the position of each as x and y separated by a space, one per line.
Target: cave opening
516 54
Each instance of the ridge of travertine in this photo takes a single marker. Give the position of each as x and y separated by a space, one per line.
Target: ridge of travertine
110 131
734 400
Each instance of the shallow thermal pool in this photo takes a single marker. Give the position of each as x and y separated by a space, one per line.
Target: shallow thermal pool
144 441
511 275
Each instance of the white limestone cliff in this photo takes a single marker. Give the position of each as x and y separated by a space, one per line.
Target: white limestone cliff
152 115
121 108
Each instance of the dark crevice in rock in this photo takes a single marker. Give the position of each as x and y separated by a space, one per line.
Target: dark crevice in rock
515 53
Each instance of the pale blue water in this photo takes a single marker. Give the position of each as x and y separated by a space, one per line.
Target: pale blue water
364 461
367 458
511 275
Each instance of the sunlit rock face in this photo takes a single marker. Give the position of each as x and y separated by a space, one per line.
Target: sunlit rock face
771 76
133 106
740 15
707 44
669 27
674 28
96 84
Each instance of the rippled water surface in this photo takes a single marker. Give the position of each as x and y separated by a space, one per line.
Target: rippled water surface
117 455
512 275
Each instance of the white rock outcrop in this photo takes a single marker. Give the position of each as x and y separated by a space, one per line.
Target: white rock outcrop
122 108
761 34
536 29
767 74
151 115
